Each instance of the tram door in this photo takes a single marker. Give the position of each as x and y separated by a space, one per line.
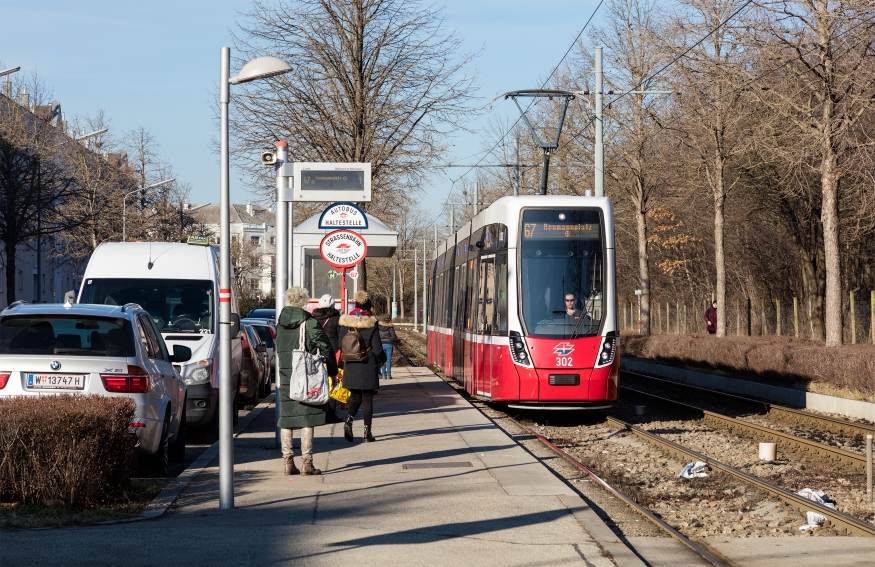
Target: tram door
460 302
485 307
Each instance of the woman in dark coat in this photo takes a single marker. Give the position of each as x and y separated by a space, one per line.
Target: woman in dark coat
362 378
711 318
388 337
294 414
327 316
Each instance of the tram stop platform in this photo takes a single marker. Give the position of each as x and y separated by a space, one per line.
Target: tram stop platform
441 486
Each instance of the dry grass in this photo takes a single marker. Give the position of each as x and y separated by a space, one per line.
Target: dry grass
846 371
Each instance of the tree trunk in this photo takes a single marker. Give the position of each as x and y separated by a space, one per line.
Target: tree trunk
832 254
719 253
643 270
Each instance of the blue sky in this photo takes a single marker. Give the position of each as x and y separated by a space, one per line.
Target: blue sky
156 64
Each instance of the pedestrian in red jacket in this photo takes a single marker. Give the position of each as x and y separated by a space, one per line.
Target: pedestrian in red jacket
711 318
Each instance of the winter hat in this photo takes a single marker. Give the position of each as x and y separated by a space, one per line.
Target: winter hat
362 300
326 301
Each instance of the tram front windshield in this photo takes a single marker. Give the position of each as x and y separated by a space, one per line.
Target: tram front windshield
562 273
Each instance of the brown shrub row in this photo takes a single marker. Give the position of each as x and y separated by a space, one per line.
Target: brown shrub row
776 360
70 450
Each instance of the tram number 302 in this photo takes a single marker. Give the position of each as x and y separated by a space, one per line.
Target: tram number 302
563 361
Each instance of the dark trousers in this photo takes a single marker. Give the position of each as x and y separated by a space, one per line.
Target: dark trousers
363 398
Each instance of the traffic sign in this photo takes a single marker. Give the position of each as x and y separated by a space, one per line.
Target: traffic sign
343 215
353 274
343 248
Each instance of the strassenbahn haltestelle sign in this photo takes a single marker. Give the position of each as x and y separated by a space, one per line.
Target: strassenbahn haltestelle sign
343 248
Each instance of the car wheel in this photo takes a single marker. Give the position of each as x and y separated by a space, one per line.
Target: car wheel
160 458
176 452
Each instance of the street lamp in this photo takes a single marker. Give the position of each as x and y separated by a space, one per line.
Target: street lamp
125 203
259 68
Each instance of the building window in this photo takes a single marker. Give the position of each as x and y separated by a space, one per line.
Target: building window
272 240
254 240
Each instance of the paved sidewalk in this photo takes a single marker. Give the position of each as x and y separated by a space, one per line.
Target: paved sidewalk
488 503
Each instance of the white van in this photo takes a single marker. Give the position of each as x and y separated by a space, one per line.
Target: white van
178 285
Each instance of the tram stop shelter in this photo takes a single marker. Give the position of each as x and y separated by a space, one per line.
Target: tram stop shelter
313 274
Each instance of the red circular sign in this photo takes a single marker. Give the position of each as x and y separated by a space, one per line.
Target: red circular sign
343 248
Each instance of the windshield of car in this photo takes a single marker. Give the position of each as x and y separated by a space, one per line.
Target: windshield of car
262 314
175 305
264 332
561 272
75 335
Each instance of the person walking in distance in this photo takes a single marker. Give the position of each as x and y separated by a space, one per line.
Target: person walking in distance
361 353
711 318
388 337
294 414
327 316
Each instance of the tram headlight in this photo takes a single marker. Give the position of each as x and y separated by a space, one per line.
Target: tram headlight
518 349
607 352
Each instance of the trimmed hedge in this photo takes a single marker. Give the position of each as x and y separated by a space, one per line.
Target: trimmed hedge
781 361
67 450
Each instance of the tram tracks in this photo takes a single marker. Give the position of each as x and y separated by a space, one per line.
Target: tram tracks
673 516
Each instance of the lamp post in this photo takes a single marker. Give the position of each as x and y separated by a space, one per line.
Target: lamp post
125 203
259 68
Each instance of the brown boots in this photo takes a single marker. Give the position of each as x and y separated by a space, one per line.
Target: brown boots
289 468
307 467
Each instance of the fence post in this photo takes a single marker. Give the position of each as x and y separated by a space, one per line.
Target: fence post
749 318
763 318
796 316
677 317
853 322
778 317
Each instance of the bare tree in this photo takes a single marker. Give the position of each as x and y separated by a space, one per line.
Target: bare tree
377 81
34 179
826 48
714 111
634 55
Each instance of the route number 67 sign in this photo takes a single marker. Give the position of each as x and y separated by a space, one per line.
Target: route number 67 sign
343 249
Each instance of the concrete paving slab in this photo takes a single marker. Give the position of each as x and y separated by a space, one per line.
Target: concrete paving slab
505 509
805 551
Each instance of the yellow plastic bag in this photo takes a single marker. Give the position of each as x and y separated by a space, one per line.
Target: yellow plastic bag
338 392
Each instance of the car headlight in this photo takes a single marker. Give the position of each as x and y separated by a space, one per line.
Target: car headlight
199 373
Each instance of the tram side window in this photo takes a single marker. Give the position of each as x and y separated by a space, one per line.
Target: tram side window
473 295
500 327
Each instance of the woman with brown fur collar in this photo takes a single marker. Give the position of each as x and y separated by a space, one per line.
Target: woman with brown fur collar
362 378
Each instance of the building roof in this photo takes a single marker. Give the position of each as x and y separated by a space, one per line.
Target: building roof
209 214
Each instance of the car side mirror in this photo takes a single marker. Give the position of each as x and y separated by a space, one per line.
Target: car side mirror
180 354
235 325
261 349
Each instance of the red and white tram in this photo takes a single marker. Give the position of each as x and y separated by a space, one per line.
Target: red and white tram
522 303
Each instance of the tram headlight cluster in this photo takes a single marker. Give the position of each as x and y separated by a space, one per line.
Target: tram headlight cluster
607 352
518 349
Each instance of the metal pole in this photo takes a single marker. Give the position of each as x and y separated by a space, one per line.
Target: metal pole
424 290
415 289
516 167
226 425
476 197
869 467
394 281
452 219
290 266
599 148
281 259
435 242
545 167
124 217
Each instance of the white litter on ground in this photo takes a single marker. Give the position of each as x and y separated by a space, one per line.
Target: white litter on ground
694 470
813 519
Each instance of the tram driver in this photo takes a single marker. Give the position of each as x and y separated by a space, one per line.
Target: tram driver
572 314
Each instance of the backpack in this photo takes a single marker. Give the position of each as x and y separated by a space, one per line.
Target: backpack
352 347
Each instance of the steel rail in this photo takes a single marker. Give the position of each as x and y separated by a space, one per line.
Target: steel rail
843 523
834 424
805 446
698 550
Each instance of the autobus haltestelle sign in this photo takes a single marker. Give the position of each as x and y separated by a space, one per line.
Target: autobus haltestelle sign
343 249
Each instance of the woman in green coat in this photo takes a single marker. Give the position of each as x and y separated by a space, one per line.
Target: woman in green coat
295 414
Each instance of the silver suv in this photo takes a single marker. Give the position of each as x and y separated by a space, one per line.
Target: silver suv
104 350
